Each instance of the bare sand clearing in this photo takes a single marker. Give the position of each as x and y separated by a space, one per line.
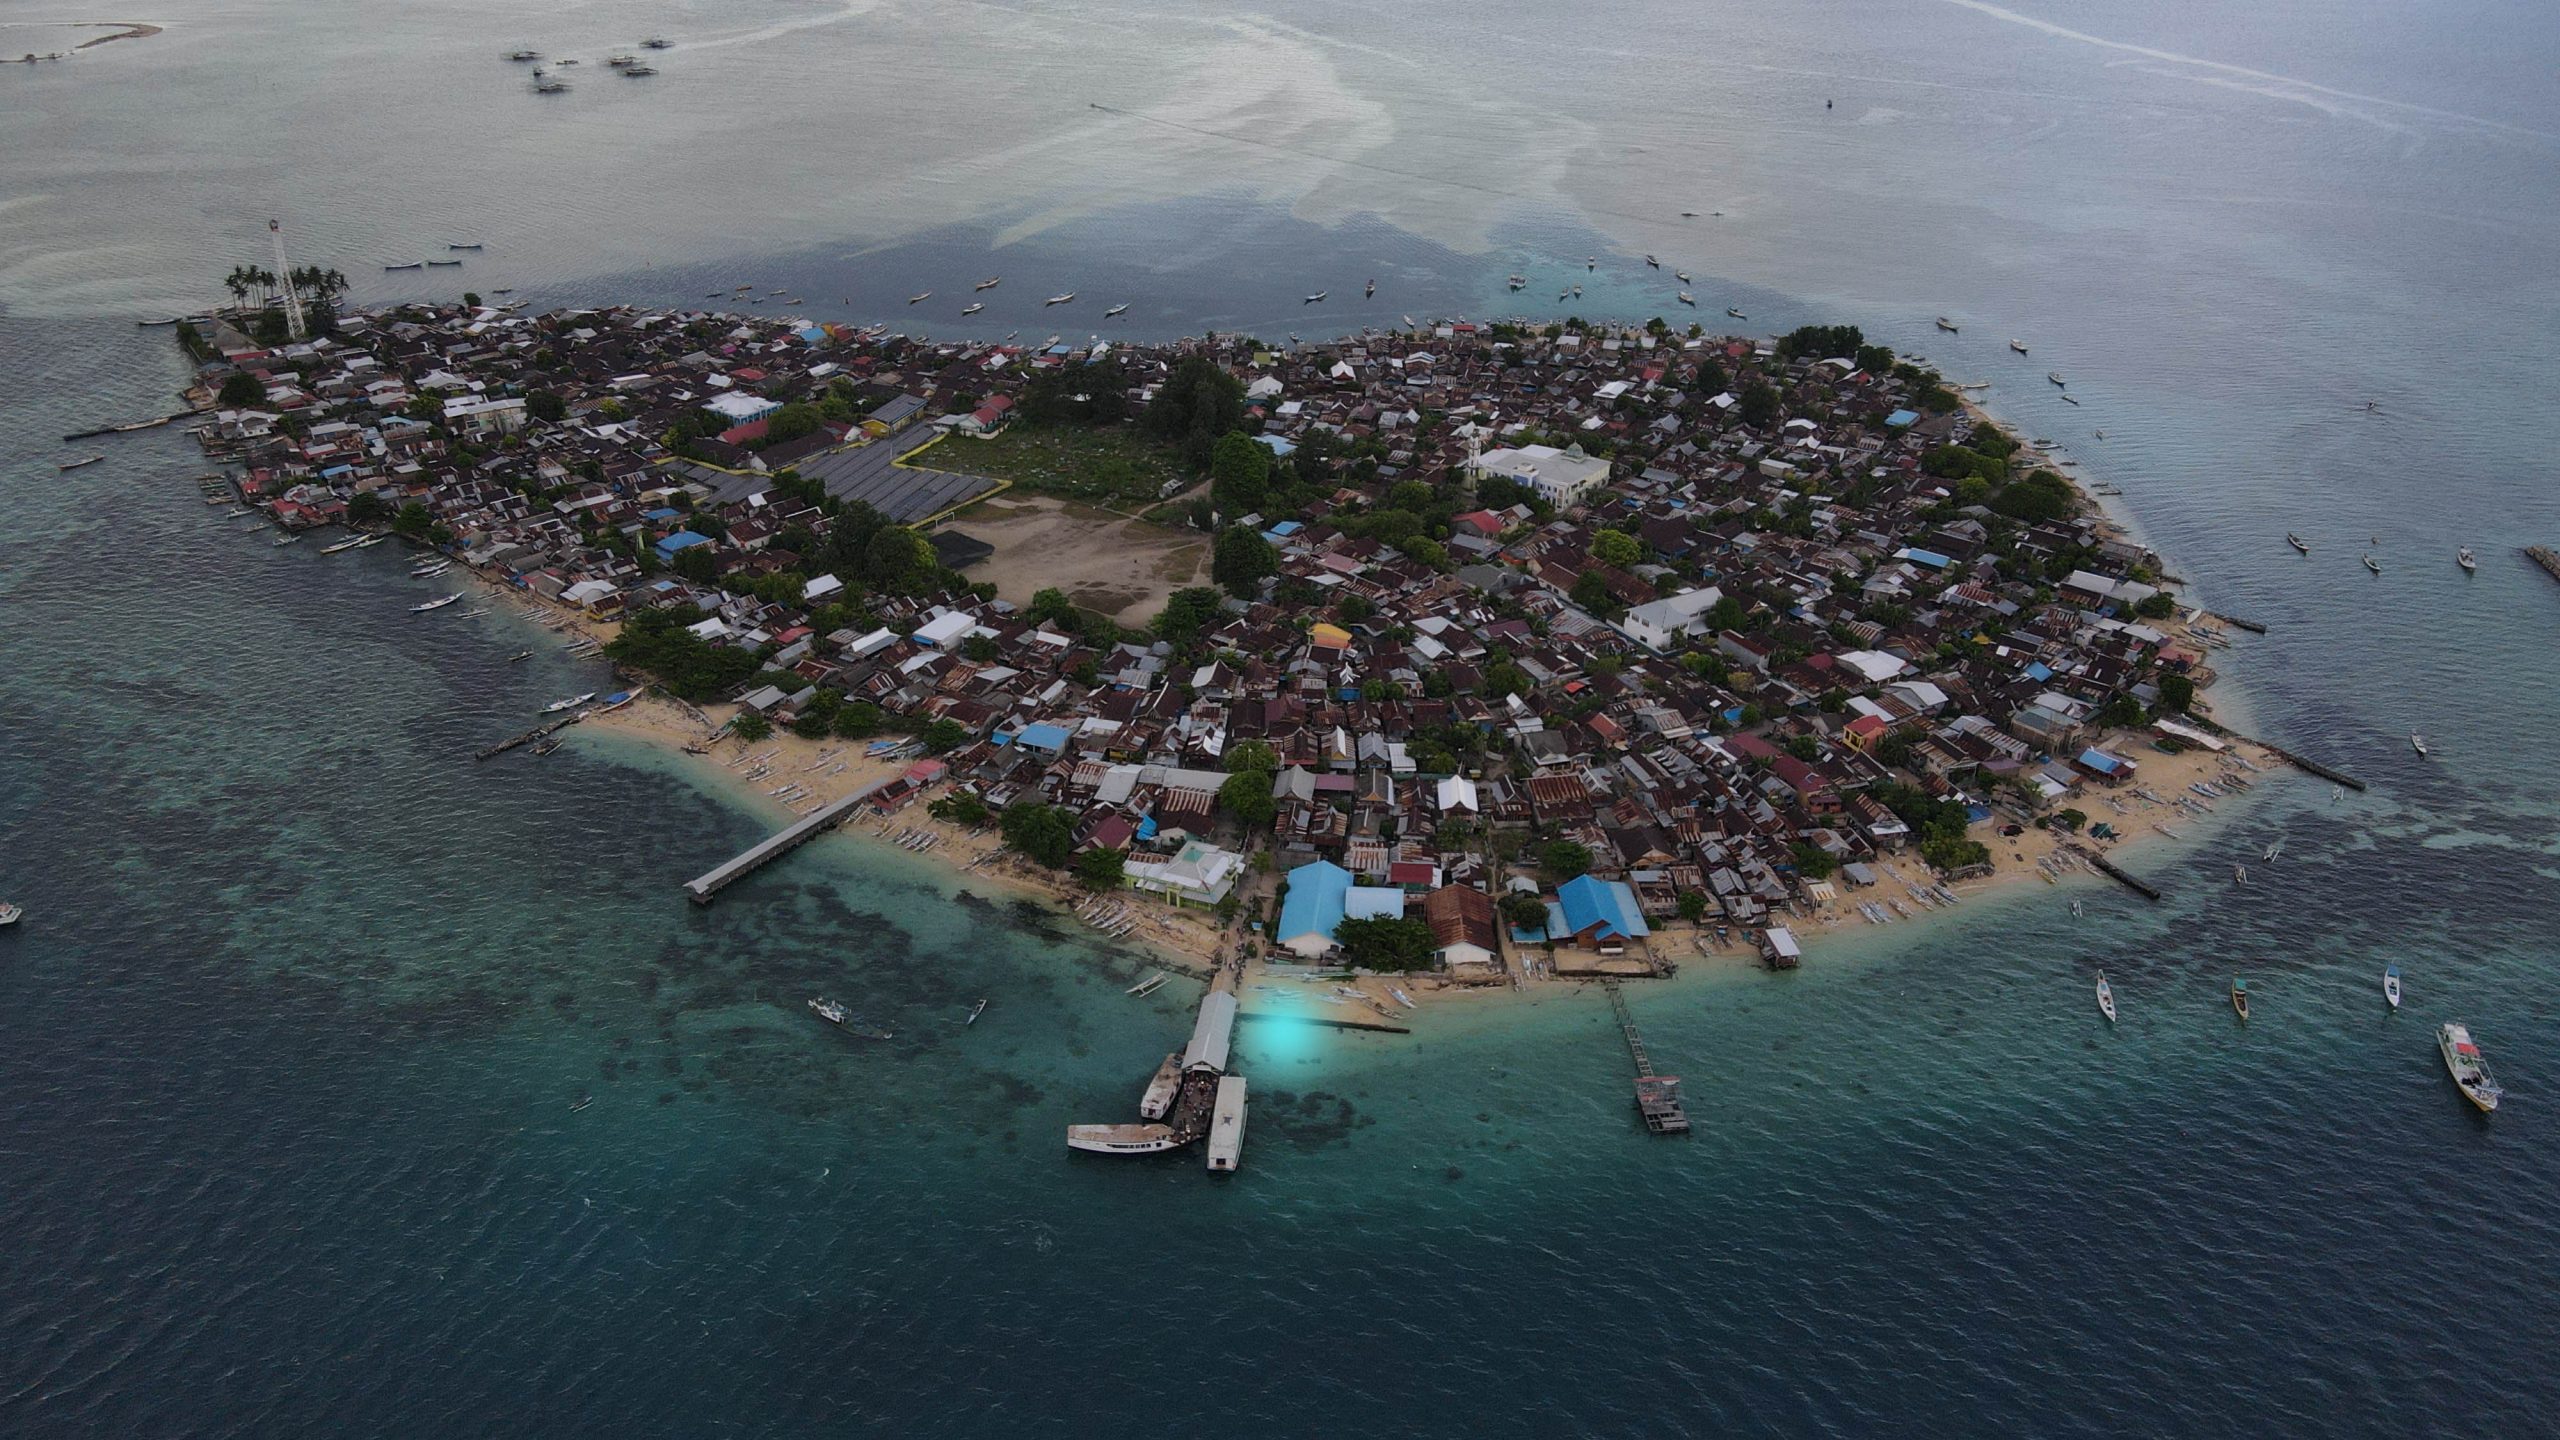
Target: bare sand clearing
1105 562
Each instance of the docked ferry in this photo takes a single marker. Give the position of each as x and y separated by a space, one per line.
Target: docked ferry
2462 1058
1122 1139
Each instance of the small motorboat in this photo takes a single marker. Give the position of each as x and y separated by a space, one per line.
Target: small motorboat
83 460
1059 299
2018 345
2240 998
634 72
972 309
979 1009
9 914
2056 377
2469 1068
288 539
1371 293
465 245
2106 998
1736 314
1518 282
1947 325
1688 299
2391 985
2296 542
2076 912
525 55
655 43
920 298
1115 310
1316 298
2273 850
2418 742
827 1010
519 656
442 264
2372 564
583 1102
1652 263
435 604
2463 558
1680 275
2239 874
989 283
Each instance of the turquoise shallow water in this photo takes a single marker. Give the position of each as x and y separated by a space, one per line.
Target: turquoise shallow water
288 1042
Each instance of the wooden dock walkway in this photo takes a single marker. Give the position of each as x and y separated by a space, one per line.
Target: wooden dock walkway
709 883
546 728
1657 1096
2107 867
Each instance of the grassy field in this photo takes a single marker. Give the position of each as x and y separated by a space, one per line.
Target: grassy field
1115 467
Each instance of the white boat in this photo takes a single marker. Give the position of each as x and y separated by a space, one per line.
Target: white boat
2056 377
2018 345
572 703
1736 314
83 460
827 1010
2391 985
1656 264
2418 742
1315 298
920 298
435 604
2296 542
1688 299
1115 310
9 913
2372 565
2273 850
1946 324
972 308
288 539
344 545
1680 275
989 283
2463 558
1059 299
2106 999
1148 986
2470 1071
980 1009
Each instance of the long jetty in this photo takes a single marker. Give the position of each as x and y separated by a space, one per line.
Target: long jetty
773 847
546 728
2303 762
2108 868
1657 1096
2546 557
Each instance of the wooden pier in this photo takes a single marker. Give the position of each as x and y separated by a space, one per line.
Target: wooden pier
545 729
709 883
1657 1096
2238 622
2303 763
2106 867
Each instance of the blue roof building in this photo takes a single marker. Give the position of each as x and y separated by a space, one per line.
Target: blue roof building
679 542
1308 918
1601 913
1900 418
1048 739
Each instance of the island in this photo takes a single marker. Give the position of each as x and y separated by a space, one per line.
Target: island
1427 661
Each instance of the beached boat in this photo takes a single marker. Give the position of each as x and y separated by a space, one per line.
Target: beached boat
435 604
1059 299
76 464
2470 1070
2296 542
2461 557
2240 998
2391 985
2106 999
572 703
2018 345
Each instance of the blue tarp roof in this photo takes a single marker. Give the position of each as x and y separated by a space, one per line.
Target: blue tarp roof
1930 558
2100 761
1043 737
1287 527
1314 906
2038 670
1278 445
663 512
1586 902
681 540
1900 418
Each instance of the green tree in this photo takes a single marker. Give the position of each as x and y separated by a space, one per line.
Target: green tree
1101 869
1524 912
1242 560
944 736
1402 943
1239 473
1759 405
750 726
1186 613
960 807
413 520
857 718
1693 905
1247 796
240 389
2120 711
791 422
367 508
1813 862
2156 606
2177 693
1564 859
1246 755
1040 831
1196 404
546 406
1616 548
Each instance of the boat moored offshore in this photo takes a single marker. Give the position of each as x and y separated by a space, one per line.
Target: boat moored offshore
2391 985
2469 1069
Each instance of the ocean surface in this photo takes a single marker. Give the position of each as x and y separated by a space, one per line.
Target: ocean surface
290 1036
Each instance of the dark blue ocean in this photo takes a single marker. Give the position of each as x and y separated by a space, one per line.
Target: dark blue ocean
290 1036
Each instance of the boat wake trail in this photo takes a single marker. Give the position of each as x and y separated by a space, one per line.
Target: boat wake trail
2300 92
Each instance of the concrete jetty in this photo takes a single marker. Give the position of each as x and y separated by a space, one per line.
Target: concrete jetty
773 847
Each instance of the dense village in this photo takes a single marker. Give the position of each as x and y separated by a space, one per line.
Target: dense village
1524 650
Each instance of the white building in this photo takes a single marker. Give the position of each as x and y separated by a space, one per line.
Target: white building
1665 622
1560 477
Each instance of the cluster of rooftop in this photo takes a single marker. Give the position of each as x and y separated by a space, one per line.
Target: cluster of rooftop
1689 626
